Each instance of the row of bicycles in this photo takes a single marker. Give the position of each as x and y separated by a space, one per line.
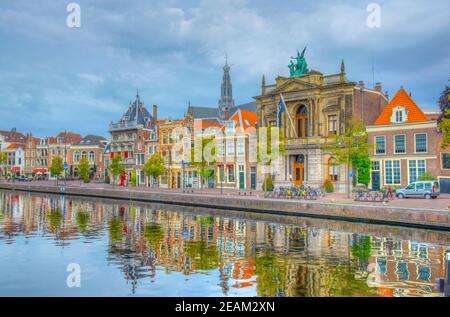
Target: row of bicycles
374 196
294 192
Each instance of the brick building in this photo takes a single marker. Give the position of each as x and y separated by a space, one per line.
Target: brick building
236 160
405 143
129 136
170 148
90 147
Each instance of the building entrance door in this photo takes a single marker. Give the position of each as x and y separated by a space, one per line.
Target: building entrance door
375 181
241 177
298 173
299 170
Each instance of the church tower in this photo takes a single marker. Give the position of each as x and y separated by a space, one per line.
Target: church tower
226 101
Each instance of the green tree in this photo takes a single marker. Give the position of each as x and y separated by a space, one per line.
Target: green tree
116 229
205 168
444 120
203 256
116 167
83 219
349 146
3 159
426 177
84 170
362 248
133 178
154 167
362 165
272 273
269 150
154 234
57 167
342 282
56 220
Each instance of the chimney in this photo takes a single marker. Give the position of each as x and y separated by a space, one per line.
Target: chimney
361 84
155 113
387 95
378 87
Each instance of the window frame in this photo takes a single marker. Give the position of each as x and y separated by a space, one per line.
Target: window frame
415 142
375 142
442 160
395 144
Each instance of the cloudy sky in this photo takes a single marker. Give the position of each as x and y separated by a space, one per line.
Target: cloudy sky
54 78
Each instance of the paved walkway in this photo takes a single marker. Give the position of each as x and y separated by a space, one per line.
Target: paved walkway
442 202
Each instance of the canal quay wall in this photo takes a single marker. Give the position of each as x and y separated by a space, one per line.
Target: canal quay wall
386 215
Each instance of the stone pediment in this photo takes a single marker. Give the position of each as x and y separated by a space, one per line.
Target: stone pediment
294 84
332 108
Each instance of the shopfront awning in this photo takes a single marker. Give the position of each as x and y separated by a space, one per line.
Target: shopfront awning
40 171
15 169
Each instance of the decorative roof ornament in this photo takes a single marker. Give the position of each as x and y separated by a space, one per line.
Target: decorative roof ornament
300 68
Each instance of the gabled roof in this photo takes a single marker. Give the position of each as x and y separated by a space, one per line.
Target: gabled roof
93 140
213 113
13 136
14 146
203 112
137 113
244 119
402 99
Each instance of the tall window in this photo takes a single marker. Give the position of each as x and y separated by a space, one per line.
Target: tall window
240 147
392 171
221 147
84 155
91 156
421 143
231 177
416 169
400 144
380 142
170 136
333 170
399 116
164 137
446 160
230 147
332 125
76 157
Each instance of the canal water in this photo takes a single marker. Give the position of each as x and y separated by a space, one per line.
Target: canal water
56 245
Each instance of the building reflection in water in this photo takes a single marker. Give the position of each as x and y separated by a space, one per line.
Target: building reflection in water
261 258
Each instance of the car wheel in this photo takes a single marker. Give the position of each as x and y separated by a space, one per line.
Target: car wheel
427 196
400 196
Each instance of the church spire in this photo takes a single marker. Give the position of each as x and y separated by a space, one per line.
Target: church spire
226 97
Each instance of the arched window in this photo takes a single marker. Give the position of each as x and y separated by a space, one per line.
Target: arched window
91 157
76 157
333 170
84 154
302 123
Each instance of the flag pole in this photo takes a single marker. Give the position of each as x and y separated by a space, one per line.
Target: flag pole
289 116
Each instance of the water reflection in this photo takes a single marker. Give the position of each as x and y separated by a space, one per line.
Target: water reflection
171 253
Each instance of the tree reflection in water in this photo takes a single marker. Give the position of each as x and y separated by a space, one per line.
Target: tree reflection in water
234 256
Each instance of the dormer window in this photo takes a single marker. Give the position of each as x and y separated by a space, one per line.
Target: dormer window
399 115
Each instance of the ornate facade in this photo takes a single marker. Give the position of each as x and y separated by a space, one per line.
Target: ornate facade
129 137
318 107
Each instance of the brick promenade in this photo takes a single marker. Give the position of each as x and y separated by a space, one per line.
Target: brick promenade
442 202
